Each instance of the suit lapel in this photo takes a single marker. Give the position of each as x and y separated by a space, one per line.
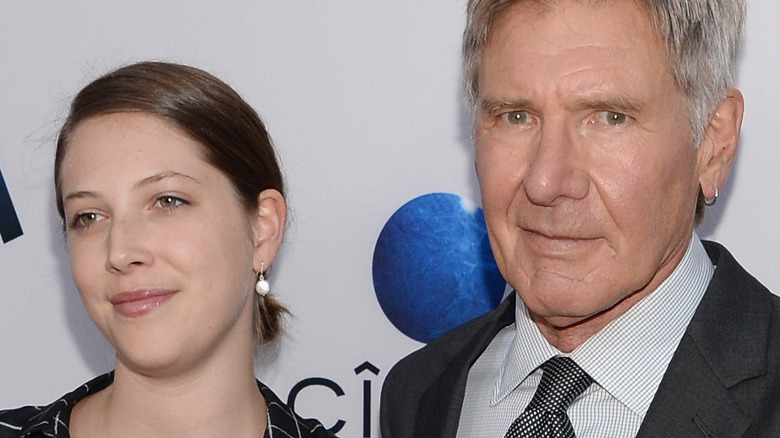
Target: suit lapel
691 401
440 404
724 345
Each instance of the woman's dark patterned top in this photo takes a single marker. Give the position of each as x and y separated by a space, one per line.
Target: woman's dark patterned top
52 421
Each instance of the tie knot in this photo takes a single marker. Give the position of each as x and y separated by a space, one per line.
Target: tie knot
562 381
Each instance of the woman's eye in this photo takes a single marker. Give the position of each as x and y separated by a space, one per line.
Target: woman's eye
516 117
170 202
85 220
612 118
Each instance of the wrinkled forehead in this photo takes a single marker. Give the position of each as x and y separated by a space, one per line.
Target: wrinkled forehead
540 8
548 6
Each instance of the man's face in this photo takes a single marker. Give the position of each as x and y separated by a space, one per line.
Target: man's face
587 170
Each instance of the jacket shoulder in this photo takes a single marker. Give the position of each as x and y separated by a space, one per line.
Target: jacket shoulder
409 379
426 364
725 375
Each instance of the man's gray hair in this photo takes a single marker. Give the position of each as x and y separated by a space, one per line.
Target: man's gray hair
702 39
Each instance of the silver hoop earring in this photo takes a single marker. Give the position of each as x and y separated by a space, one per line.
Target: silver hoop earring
709 202
261 286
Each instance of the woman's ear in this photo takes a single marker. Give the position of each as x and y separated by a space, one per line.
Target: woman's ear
267 224
719 145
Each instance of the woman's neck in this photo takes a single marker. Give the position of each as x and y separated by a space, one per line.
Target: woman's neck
211 400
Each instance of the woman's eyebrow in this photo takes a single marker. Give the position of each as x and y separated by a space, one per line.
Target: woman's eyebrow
162 176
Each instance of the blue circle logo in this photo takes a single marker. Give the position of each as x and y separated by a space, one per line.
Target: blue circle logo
433 268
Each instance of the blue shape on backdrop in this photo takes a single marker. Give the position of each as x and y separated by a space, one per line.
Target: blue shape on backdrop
10 228
433 268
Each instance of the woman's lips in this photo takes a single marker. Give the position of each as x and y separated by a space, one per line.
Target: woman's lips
140 302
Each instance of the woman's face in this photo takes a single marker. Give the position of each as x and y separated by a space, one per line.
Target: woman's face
161 249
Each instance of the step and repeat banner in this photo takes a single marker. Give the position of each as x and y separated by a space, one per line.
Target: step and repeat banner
386 245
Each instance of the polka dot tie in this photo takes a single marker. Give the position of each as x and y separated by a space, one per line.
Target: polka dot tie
545 417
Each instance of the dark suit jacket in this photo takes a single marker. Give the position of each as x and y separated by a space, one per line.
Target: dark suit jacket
723 380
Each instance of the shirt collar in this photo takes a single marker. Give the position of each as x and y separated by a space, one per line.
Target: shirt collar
628 370
526 353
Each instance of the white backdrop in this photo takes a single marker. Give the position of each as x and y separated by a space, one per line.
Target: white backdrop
362 99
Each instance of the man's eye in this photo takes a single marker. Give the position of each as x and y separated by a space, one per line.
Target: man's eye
517 117
612 118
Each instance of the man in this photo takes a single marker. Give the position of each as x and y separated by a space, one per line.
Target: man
601 130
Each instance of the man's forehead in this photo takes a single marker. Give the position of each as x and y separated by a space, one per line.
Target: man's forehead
539 9
590 61
548 6
532 9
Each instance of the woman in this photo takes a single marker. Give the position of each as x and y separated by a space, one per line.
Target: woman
173 208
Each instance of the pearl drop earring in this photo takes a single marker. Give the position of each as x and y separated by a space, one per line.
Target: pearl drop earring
262 287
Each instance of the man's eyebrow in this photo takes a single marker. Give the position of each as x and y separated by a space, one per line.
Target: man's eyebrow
619 103
493 106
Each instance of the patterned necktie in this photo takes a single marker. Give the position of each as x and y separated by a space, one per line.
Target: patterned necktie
545 417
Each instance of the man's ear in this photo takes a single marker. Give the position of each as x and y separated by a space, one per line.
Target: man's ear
267 224
719 144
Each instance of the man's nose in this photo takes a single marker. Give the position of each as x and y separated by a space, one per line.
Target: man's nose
556 170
